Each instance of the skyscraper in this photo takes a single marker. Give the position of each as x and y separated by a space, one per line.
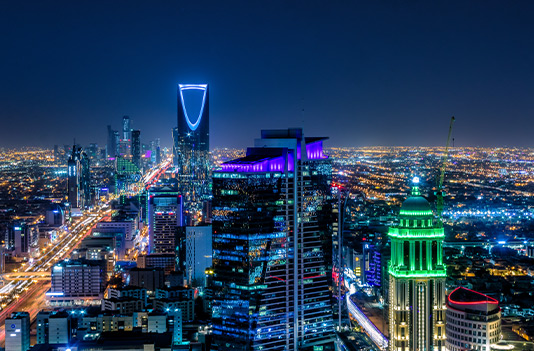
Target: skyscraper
112 143
136 148
417 278
18 238
125 147
191 149
270 278
198 241
164 218
79 178
126 130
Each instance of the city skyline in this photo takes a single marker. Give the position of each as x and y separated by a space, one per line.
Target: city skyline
267 176
364 74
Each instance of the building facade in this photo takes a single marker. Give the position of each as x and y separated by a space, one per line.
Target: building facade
416 278
136 148
270 278
79 178
17 330
165 217
191 149
198 254
473 321
76 281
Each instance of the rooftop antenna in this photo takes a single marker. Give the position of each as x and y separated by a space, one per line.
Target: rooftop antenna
439 191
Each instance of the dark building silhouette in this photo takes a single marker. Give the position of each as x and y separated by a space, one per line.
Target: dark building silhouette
136 148
112 142
79 178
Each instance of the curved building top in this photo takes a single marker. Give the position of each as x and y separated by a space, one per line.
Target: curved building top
416 219
463 299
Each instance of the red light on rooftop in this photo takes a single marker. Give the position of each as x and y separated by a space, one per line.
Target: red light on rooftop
488 299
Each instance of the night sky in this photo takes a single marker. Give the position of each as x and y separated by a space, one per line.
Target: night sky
361 72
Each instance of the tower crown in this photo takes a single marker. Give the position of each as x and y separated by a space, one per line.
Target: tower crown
415 207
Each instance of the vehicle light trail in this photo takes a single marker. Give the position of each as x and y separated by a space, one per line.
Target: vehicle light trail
378 338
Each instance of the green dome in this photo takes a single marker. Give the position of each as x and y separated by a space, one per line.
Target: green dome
416 206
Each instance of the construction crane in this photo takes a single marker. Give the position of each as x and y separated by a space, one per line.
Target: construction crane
439 192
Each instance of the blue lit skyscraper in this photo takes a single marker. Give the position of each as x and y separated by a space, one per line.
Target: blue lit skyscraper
191 147
270 278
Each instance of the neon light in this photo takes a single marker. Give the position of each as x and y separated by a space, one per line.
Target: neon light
277 278
416 234
489 299
314 151
415 180
268 164
202 87
415 213
418 274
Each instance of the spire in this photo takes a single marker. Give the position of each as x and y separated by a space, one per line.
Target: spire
415 186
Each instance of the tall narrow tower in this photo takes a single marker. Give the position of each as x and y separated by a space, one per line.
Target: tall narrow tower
417 278
191 147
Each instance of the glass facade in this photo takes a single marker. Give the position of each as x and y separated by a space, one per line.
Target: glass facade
191 148
270 278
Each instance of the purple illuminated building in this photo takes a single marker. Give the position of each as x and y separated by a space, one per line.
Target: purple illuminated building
270 276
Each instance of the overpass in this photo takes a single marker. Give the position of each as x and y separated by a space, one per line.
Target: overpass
26 276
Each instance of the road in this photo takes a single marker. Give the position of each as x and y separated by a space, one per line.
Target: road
33 302
28 294
27 275
374 333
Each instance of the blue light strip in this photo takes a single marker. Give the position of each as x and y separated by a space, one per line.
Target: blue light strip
202 87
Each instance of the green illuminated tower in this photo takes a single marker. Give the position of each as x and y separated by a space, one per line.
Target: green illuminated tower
417 278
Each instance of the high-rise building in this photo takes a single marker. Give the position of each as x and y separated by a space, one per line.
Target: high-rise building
165 218
73 181
92 151
191 149
125 143
117 140
198 253
417 278
473 321
18 238
126 129
54 216
136 148
17 330
270 279
112 143
79 178
56 153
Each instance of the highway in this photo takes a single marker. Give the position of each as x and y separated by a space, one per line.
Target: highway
378 338
26 288
26 275
27 293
